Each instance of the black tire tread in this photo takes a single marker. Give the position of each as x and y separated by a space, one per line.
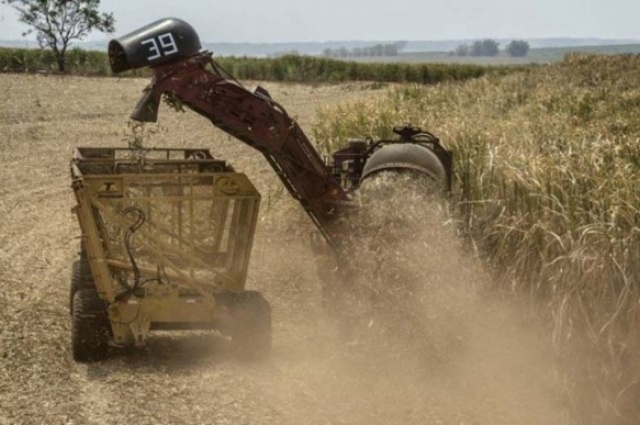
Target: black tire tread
81 278
90 327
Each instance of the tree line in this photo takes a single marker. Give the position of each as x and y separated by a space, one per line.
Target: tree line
378 50
489 47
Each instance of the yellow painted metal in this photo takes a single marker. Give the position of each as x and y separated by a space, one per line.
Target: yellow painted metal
195 239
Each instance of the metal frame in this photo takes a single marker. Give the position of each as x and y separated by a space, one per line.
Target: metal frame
166 186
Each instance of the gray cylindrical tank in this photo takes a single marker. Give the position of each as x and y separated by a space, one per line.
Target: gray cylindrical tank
405 156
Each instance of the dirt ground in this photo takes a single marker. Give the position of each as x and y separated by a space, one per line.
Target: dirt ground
472 359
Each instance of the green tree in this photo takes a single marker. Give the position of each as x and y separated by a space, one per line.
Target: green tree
518 48
486 47
462 50
57 22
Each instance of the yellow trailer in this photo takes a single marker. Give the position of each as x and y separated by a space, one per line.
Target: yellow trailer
166 241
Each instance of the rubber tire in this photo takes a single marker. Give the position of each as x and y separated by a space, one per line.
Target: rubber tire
90 327
75 284
81 278
251 336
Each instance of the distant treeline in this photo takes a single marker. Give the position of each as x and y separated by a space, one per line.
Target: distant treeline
293 68
489 47
378 50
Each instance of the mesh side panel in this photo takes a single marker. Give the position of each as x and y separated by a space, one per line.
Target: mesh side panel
185 229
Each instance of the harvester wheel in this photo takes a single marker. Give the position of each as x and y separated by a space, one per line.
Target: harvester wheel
251 336
90 327
81 278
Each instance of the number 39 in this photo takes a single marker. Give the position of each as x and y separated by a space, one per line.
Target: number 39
162 45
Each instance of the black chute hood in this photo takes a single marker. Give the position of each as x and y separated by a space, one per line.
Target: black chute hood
406 156
160 42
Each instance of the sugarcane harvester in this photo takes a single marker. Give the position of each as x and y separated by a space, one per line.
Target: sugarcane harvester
186 76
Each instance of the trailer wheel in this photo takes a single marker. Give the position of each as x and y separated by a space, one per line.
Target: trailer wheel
81 278
90 327
251 337
75 283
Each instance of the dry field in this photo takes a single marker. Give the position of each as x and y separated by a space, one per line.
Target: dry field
546 192
466 358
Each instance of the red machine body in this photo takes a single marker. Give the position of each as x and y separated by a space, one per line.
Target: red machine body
190 77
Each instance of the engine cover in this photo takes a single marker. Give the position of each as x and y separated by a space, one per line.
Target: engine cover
406 156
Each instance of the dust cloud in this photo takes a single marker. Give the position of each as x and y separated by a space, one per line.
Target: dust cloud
414 336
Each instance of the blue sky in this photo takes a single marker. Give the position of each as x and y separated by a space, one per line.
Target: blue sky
324 20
